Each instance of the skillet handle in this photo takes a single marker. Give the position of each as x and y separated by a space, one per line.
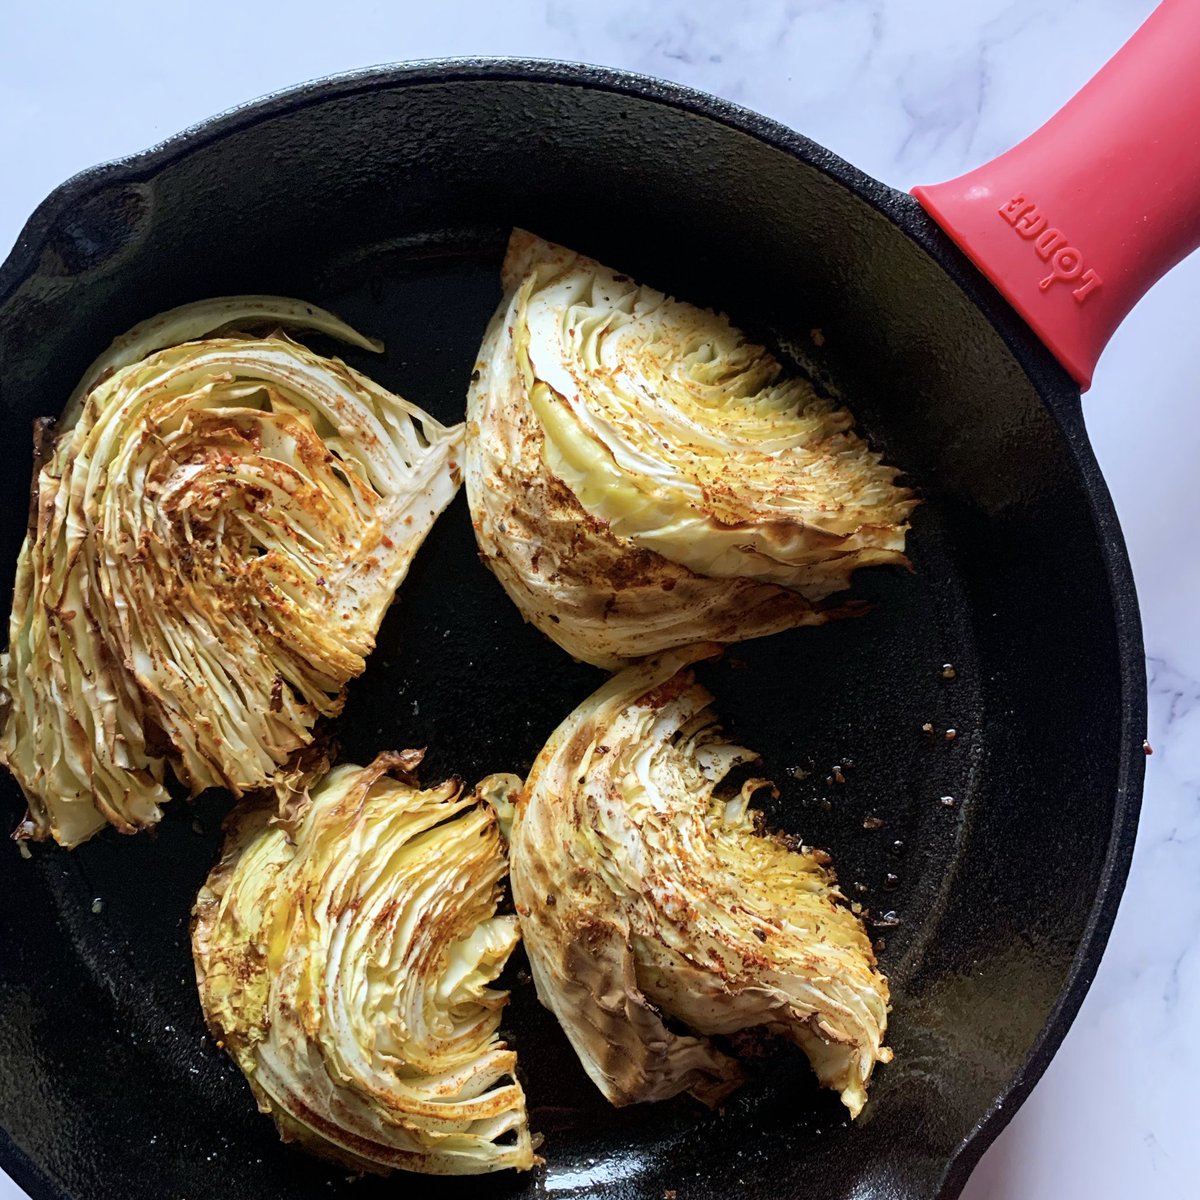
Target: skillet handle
1075 223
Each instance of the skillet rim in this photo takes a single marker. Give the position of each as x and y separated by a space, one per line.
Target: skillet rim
1058 392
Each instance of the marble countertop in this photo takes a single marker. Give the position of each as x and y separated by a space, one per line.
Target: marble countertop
912 92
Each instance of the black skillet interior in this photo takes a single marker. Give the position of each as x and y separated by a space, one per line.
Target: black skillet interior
388 197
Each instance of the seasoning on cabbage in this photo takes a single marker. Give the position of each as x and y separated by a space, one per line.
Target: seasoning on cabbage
218 532
345 959
641 476
650 899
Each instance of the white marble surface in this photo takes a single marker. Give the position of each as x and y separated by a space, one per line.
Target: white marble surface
912 91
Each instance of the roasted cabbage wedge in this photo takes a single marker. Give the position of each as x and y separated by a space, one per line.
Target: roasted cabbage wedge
641 476
657 913
345 959
218 530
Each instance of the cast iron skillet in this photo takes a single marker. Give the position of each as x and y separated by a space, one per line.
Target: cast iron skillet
387 195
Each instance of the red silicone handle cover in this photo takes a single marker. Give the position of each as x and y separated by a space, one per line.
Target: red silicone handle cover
1078 221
